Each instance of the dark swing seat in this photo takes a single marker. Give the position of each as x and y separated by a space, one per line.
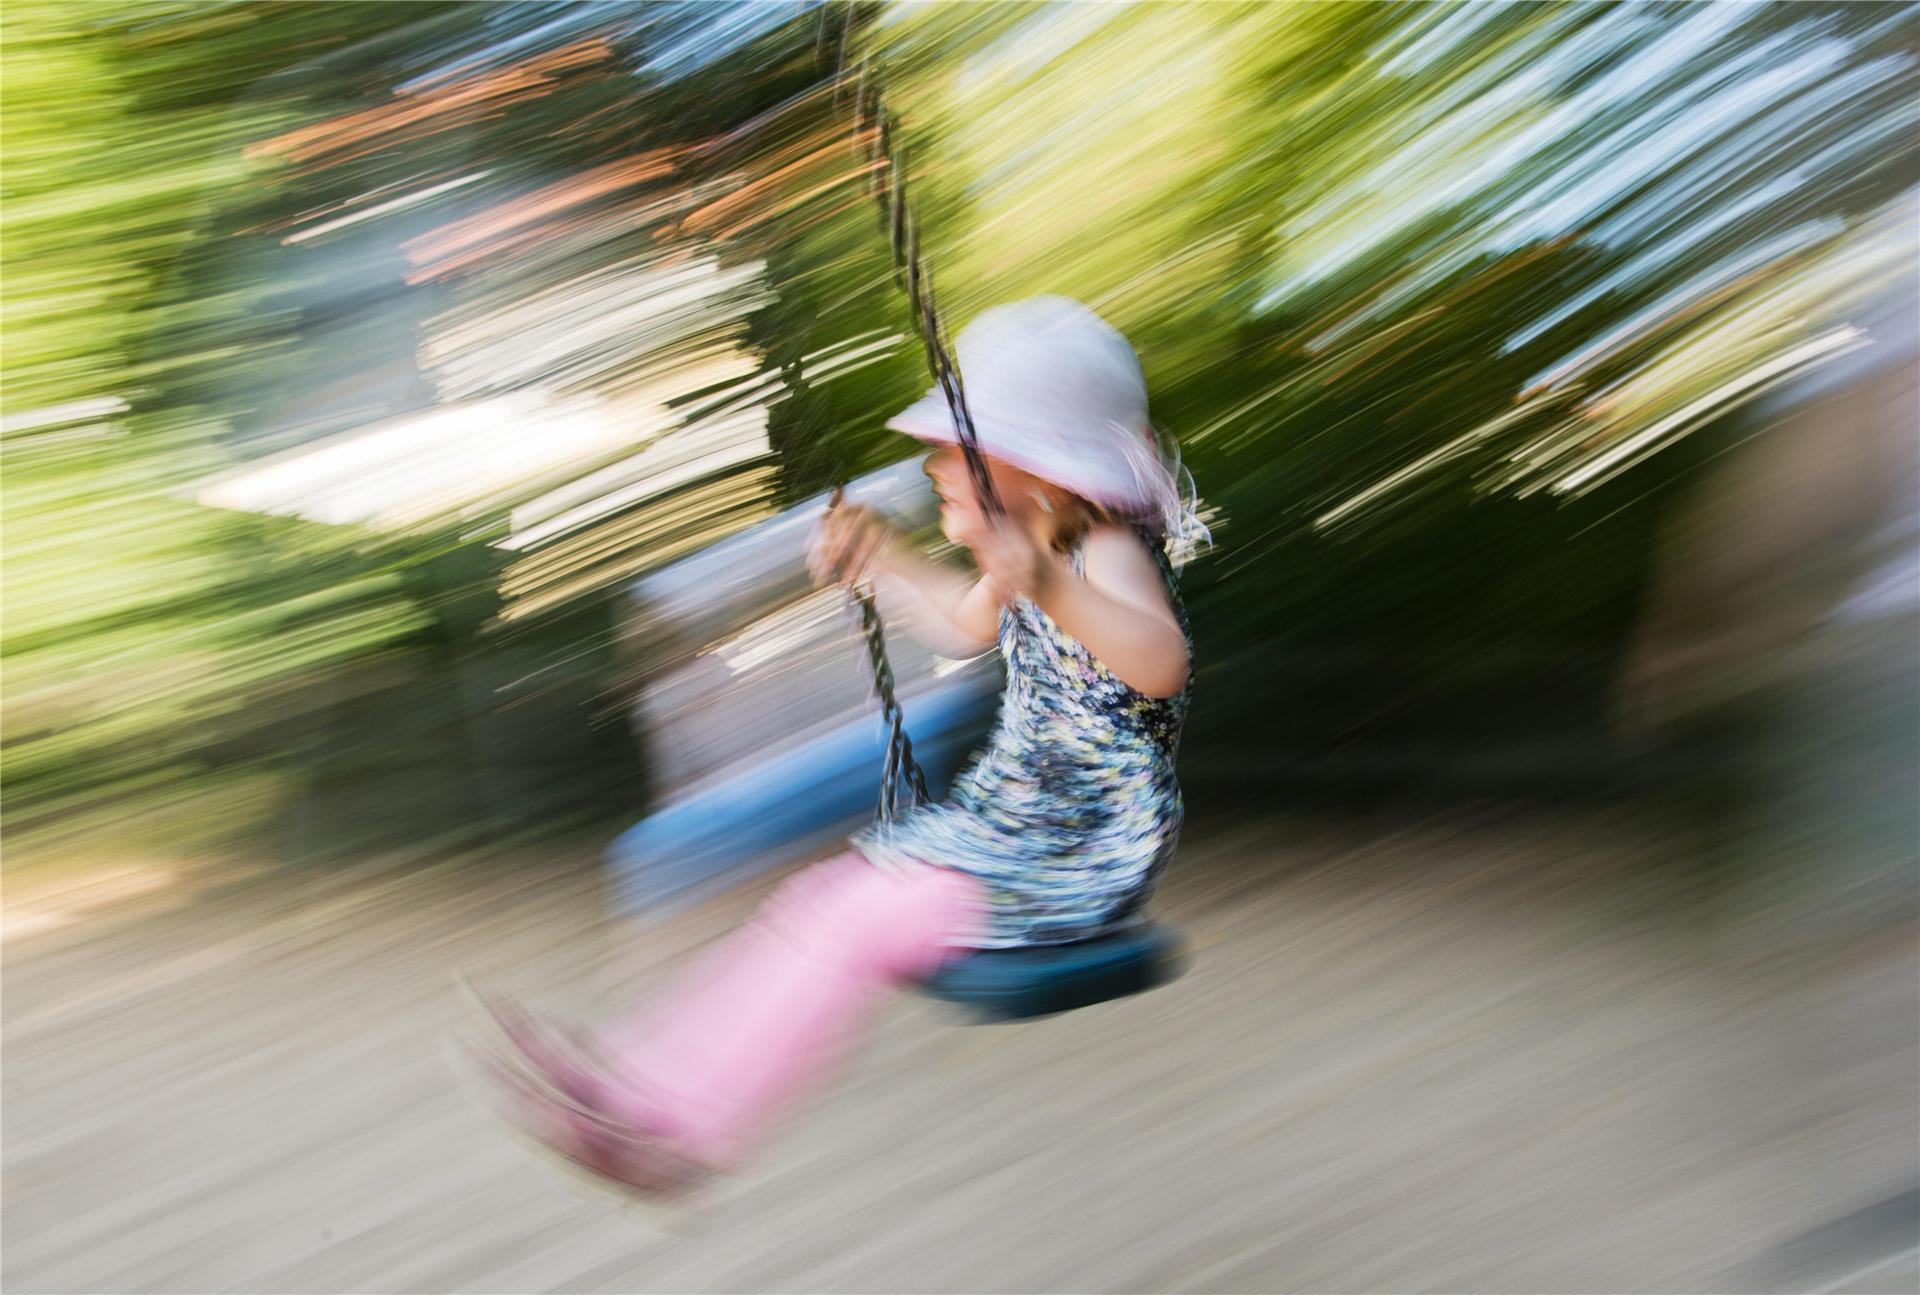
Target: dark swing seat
1021 984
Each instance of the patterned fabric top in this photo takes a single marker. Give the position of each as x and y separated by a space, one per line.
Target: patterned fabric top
1072 810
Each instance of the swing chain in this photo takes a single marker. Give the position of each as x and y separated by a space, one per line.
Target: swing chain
877 124
874 123
899 766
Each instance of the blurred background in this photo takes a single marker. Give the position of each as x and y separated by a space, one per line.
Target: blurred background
412 412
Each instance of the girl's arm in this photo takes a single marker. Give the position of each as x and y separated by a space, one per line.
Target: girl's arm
950 612
1119 611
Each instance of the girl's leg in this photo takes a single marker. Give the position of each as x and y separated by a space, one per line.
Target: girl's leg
767 1011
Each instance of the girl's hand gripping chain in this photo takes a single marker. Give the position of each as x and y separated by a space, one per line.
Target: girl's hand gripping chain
847 546
1015 556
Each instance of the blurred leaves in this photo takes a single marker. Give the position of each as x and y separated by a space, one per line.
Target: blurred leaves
1442 301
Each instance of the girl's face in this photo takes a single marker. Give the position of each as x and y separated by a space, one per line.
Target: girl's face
1020 494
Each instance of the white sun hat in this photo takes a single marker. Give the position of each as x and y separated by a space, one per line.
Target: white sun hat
1057 391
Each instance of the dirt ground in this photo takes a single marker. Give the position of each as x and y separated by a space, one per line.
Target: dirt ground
1466 1052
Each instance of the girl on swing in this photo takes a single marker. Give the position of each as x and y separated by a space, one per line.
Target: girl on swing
1056 833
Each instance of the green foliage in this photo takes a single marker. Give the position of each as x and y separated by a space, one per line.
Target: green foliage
1412 285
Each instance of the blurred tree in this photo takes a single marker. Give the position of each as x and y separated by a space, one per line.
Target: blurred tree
1442 302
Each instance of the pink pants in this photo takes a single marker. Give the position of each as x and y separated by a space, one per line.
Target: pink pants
766 1012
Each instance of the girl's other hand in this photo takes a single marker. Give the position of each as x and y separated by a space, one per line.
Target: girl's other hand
1016 558
848 543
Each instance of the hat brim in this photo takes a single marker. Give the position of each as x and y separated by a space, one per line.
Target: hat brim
927 419
930 421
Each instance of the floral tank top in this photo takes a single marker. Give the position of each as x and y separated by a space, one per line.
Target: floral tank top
1072 810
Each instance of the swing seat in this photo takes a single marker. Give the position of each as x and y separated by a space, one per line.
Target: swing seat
1021 984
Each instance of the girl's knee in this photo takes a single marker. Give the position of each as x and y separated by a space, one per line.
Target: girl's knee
822 899
919 917
848 907
951 904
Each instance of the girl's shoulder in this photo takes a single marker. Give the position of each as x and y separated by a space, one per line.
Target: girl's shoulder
1116 546
1120 560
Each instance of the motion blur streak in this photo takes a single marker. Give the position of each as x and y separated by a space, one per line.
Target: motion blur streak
413 418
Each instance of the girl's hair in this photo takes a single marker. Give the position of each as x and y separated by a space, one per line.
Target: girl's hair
1081 517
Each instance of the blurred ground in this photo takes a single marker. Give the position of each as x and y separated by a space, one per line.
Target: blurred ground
1469 1051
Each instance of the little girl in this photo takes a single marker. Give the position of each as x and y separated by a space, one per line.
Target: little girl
1056 833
